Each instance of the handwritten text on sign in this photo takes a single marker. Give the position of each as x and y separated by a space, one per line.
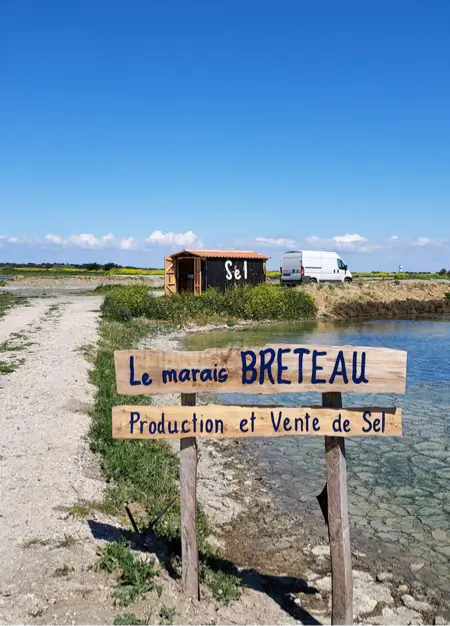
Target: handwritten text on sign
143 422
271 369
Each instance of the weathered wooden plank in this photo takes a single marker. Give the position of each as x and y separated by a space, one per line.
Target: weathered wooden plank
272 369
188 506
175 422
338 522
170 280
197 276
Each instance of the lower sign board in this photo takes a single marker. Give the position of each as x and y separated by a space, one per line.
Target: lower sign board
178 422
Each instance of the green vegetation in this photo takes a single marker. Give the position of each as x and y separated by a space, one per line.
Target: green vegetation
62 572
144 473
7 368
134 576
55 270
133 270
404 275
8 300
264 302
130 619
166 615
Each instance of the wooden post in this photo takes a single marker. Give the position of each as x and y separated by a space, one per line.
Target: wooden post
338 523
188 504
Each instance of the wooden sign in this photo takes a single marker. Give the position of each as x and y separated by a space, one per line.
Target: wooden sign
269 370
272 369
219 422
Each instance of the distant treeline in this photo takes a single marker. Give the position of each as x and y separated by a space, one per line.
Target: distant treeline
89 267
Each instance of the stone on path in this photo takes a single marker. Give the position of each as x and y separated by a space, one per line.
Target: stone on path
402 616
416 605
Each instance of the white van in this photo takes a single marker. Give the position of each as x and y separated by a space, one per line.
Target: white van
305 266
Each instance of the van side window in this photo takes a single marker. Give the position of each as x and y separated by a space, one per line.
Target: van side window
341 264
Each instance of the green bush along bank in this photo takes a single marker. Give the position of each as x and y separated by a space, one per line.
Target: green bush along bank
264 302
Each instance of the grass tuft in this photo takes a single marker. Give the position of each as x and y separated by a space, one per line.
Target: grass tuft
7 368
130 619
134 576
8 300
35 542
62 572
166 615
68 542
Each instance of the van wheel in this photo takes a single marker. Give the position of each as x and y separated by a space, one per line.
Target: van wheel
313 280
347 281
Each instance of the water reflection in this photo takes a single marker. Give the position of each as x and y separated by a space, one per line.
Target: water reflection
399 488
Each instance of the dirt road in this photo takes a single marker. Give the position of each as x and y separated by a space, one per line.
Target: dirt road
45 464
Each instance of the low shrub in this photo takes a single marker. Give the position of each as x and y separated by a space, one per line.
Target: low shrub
124 302
264 302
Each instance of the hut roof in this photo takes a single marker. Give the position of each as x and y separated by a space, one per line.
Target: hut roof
222 254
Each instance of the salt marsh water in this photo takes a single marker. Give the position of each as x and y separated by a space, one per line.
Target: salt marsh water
399 487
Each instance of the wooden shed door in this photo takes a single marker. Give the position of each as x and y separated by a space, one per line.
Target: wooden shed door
170 281
197 276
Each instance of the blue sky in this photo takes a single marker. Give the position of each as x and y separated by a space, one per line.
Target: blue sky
133 129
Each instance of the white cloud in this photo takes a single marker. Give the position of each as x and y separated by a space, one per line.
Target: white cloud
188 238
127 243
269 241
421 241
84 240
349 239
347 242
89 241
54 239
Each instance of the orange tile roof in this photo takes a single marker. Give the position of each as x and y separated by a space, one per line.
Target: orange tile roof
223 254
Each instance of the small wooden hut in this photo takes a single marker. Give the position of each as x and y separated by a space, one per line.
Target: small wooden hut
196 270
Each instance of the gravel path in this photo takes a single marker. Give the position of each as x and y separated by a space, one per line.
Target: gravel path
44 461
19 318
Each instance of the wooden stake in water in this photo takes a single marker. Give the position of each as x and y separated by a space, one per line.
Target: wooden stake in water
188 504
338 522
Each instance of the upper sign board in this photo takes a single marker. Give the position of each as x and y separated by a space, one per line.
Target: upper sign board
269 370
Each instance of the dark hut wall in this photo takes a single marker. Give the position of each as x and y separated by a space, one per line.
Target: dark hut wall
215 272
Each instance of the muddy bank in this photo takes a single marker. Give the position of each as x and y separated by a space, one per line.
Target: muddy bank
381 299
288 552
